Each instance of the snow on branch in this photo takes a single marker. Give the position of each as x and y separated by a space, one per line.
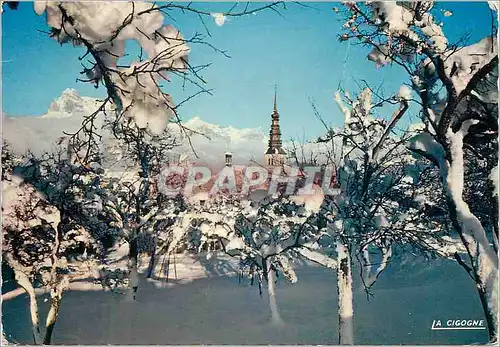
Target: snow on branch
369 277
317 257
104 28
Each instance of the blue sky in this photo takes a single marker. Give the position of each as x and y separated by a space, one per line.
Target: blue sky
299 51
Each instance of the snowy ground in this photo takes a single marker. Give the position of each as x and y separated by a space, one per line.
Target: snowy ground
203 306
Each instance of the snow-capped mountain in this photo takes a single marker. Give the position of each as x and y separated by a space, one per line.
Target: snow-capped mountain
227 133
210 141
39 133
71 104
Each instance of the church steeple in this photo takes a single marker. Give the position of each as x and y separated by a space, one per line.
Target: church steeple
275 155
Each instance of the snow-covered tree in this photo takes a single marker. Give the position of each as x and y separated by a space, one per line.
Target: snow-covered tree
456 86
69 184
42 243
29 231
261 241
9 160
139 212
380 203
265 237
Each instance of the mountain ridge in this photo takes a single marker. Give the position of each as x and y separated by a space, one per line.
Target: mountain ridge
66 112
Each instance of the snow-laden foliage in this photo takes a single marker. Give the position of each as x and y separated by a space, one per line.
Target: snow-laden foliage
134 162
404 92
494 178
138 213
266 237
139 217
382 201
381 197
273 234
29 223
9 161
38 197
44 240
72 188
409 34
456 83
104 28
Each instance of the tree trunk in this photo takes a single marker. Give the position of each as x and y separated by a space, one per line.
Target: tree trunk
485 272
152 263
483 258
133 252
56 293
271 290
489 303
344 287
51 318
25 283
37 337
59 281
133 274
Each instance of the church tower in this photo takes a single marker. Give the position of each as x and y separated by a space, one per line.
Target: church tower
275 155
